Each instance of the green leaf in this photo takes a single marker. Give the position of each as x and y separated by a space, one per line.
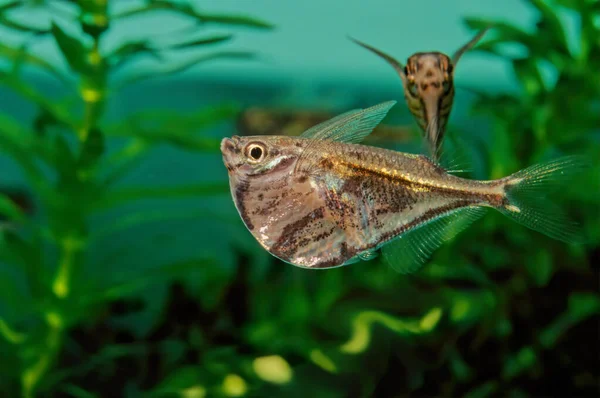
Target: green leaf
92 150
503 31
72 49
21 56
10 5
519 363
237 20
202 41
550 28
185 66
8 209
128 51
188 10
363 321
59 112
530 77
19 143
7 22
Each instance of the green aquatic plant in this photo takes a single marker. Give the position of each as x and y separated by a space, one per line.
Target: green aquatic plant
73 168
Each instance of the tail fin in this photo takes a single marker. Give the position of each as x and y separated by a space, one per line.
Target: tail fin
527 191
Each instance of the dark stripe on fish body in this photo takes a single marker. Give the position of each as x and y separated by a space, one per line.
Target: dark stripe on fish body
240 197
287 245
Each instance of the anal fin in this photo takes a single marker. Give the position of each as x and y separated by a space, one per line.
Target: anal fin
409 252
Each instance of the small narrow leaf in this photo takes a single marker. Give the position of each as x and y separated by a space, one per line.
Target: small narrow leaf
59 112
128 51
503 32
185 66
21 56
72 49
202 41
235 20
7 22
188 10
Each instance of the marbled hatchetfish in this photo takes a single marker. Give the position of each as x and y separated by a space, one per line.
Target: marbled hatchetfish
428 82
322 200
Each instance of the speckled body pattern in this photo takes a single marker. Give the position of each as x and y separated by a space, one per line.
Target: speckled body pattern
352 200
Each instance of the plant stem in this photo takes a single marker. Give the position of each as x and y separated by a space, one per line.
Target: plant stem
71 244
34 373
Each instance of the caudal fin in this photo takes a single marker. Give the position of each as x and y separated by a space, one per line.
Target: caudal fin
527 193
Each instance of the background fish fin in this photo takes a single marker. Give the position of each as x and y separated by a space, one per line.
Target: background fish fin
412 249
434 136
467 46
350 127
454 156
390 60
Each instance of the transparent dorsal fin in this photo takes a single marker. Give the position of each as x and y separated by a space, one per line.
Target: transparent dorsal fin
310 133
398 67
411 250
350 127
467 46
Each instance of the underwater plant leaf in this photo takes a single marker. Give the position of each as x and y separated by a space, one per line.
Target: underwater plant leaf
59 112
10 5
185 66
504 33
92 150
126 195
9 210
237 20
529 75
202 41
582 305
8 23
188 10
128 51
17 142
72 49
550 27
21 56
363 321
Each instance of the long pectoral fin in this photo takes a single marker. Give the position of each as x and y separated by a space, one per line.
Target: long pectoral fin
467 46
398 67
411 250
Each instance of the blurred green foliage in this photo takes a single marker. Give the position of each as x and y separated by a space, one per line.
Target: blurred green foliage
499 311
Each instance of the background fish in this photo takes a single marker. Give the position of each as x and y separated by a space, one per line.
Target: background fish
428 82
321 200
